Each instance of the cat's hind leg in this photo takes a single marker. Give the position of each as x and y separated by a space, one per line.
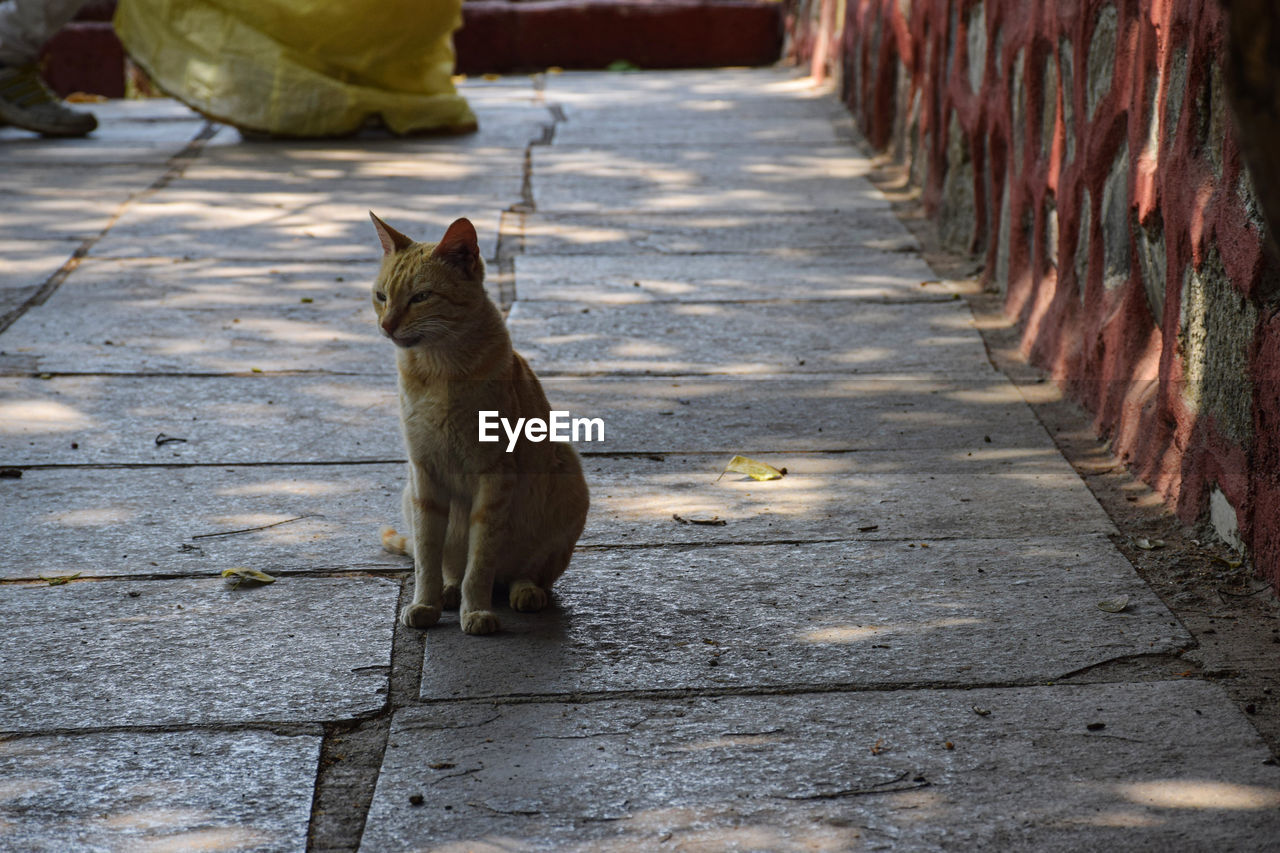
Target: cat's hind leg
526 596
530 596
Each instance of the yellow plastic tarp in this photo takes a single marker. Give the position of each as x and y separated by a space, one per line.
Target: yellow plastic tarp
303 67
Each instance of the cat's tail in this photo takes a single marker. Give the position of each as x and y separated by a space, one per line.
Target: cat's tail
393 542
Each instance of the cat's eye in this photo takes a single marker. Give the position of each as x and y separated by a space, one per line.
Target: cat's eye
380 296
420 296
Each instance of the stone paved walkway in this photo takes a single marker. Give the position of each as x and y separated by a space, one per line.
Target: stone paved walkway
867 653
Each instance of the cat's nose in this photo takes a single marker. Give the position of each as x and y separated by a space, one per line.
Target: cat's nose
388 325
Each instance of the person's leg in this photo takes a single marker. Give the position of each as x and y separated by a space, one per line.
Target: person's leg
25 100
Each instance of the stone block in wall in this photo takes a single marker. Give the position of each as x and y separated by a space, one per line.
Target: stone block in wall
1004 249
1212 118
1102 58
1114 219
903 114
918 142
1216 328
953 32
976 46
1049 231
1017 111
1153 261
1067 71
957 220
1174 91
1080 260
1048 105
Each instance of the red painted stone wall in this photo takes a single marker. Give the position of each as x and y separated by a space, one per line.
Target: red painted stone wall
1085 149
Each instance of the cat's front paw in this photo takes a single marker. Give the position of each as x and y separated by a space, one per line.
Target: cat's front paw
420 616
451 596
527 597
480 622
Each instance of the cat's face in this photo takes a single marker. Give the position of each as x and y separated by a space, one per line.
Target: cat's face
425 292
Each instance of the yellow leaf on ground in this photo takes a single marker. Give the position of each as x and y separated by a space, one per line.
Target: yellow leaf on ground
242 575
753 469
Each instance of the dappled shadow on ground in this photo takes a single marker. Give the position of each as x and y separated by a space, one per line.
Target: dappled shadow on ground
219 342
820 772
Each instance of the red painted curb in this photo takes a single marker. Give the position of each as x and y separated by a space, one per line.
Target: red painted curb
85 56
501 36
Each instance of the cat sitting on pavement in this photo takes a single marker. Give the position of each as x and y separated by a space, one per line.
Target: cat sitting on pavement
475 514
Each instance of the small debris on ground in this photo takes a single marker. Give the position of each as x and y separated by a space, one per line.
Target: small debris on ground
1114 605
710 520
59 580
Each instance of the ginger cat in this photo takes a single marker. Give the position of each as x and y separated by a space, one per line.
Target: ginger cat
476 515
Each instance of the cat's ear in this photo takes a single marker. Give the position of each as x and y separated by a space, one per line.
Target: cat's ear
459 247
391 239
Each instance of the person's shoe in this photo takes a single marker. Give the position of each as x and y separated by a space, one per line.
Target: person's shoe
26 102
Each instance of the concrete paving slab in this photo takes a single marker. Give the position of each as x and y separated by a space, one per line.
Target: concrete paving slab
918 496
106 420
621 279
291 227
97 420
243 791
238 317
67 202
480 90
817 615
703 179
150 135
206 316
1177 767
115 110
510 124
27 265
349 153
255 168
198 520
98 654
714 124
300 190
157 521
749 338
589 106
761 87
816 234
